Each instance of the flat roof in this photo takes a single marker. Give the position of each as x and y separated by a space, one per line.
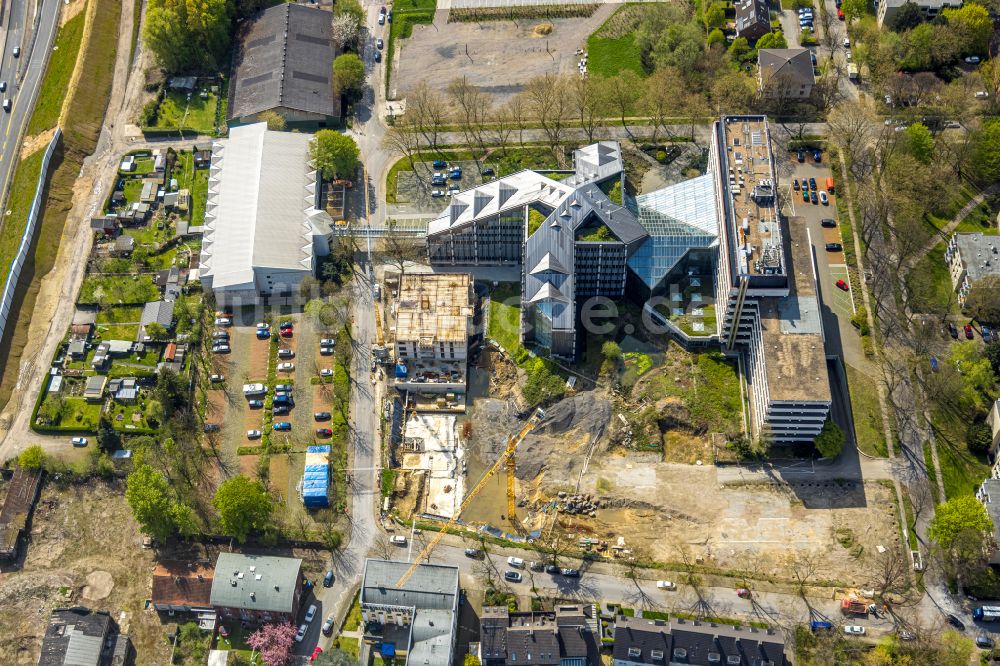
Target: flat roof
749 192
792 328
434 307
979 253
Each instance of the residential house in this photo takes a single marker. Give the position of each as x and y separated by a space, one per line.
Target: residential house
106 224
170 280
643 642
566 637
416 622
124 246
159 162
202 155
971 256
282 64
55 381
785 73
753 19
989 494
83 637
77 350
183 587
885 10
158 312
108 350
124 389
257 589
94 389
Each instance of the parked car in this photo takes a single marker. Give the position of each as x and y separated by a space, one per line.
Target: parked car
571 573
388 17
795 184
552 569
981 94
820 625
381 17
805 184
378 56
828 223
854 630
253 434
327 342
263 333
512 576
842 285
286 324
982 640
221 348
283 387
437 194
847 42
317 651
322 416
455 173
801 156
223 321
805 195
439 164
812 183
743 593
379 44
813 197
263 325
324 432
834 247
215 379
311 613
955 622
488 171
286 333
515 562
328 625
474 553
286 367
3 88
817 155
301 633
968 332
220 335
284 352
987 334
281 410
972 60
824 198
665 585
256 404
326 372
397 540
212 427
78 441
283 425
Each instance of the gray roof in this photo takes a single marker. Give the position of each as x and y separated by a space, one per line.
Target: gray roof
161 312
74 637
431 587
696 640
255 582
980 254
789 66
752 14
95 386
285 60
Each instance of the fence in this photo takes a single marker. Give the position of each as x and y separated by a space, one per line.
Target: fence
14 274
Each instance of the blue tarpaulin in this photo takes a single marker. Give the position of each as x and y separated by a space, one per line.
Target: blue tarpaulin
316 477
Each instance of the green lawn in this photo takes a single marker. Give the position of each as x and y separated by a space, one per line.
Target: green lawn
106 291
132 190
194 180
612 48
57 76
22 191
118 331
961 471
868 429
119 314
505 316
930 285
83 415
200 113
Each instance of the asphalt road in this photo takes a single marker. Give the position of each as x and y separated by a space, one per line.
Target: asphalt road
23 76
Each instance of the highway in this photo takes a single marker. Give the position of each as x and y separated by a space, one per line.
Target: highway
23 75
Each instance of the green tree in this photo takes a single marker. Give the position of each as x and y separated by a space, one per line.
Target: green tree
772 40
986 155
154 411
157 331
335 657
107 437
972 27
147 494
681 45
854 9
243 506
907 17
716 37
983 300
350 7
275 121
715 16
348 74
920 142
471 660
956 518
830 441
992 354
979 437
32 457
334 154
170 391
54 409
611 351
740 51
188 36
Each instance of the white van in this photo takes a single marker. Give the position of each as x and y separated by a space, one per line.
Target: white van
397 540
515 562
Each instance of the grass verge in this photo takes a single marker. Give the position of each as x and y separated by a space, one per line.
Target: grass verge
57 75
868 430
931 473
961 471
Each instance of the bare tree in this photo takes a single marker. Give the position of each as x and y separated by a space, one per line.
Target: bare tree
623 91
402 139
473 106
661 98
852 126
587 103
549 104
518 108
502 123
889 573
398 249
803 568
383 547
428 110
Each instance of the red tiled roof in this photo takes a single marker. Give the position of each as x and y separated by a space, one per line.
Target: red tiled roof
177 583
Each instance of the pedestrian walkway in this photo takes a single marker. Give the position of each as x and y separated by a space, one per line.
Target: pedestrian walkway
945 232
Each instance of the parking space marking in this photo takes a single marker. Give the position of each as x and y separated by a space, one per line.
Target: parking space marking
840 300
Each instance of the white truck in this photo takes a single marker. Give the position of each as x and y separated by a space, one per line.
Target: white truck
852 72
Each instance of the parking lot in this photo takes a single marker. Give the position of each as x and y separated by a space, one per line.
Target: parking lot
415 193
497 56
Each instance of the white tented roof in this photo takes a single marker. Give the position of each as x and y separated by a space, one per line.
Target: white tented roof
261 192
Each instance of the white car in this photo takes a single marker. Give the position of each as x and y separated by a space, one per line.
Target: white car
253 434
263 326
301 633
665 585
515 562
437 193
327 342
972 60
982 94
847 42
326 372
286 367
854 630
217 378
326 350
223 321
824 199
310 614
79 441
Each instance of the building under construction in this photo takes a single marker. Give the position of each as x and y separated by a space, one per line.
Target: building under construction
434 317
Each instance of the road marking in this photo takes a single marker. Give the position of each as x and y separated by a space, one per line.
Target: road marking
791 199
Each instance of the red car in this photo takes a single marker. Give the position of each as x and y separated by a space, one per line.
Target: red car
842 285
743 593
317 651
324 432
968 332
286 332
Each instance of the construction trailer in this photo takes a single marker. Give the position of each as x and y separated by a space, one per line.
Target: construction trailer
316 478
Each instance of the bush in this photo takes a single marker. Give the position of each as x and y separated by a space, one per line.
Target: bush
860 320
32 457
830 441
661 156
978 438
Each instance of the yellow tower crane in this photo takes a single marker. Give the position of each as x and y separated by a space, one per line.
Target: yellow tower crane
508 454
